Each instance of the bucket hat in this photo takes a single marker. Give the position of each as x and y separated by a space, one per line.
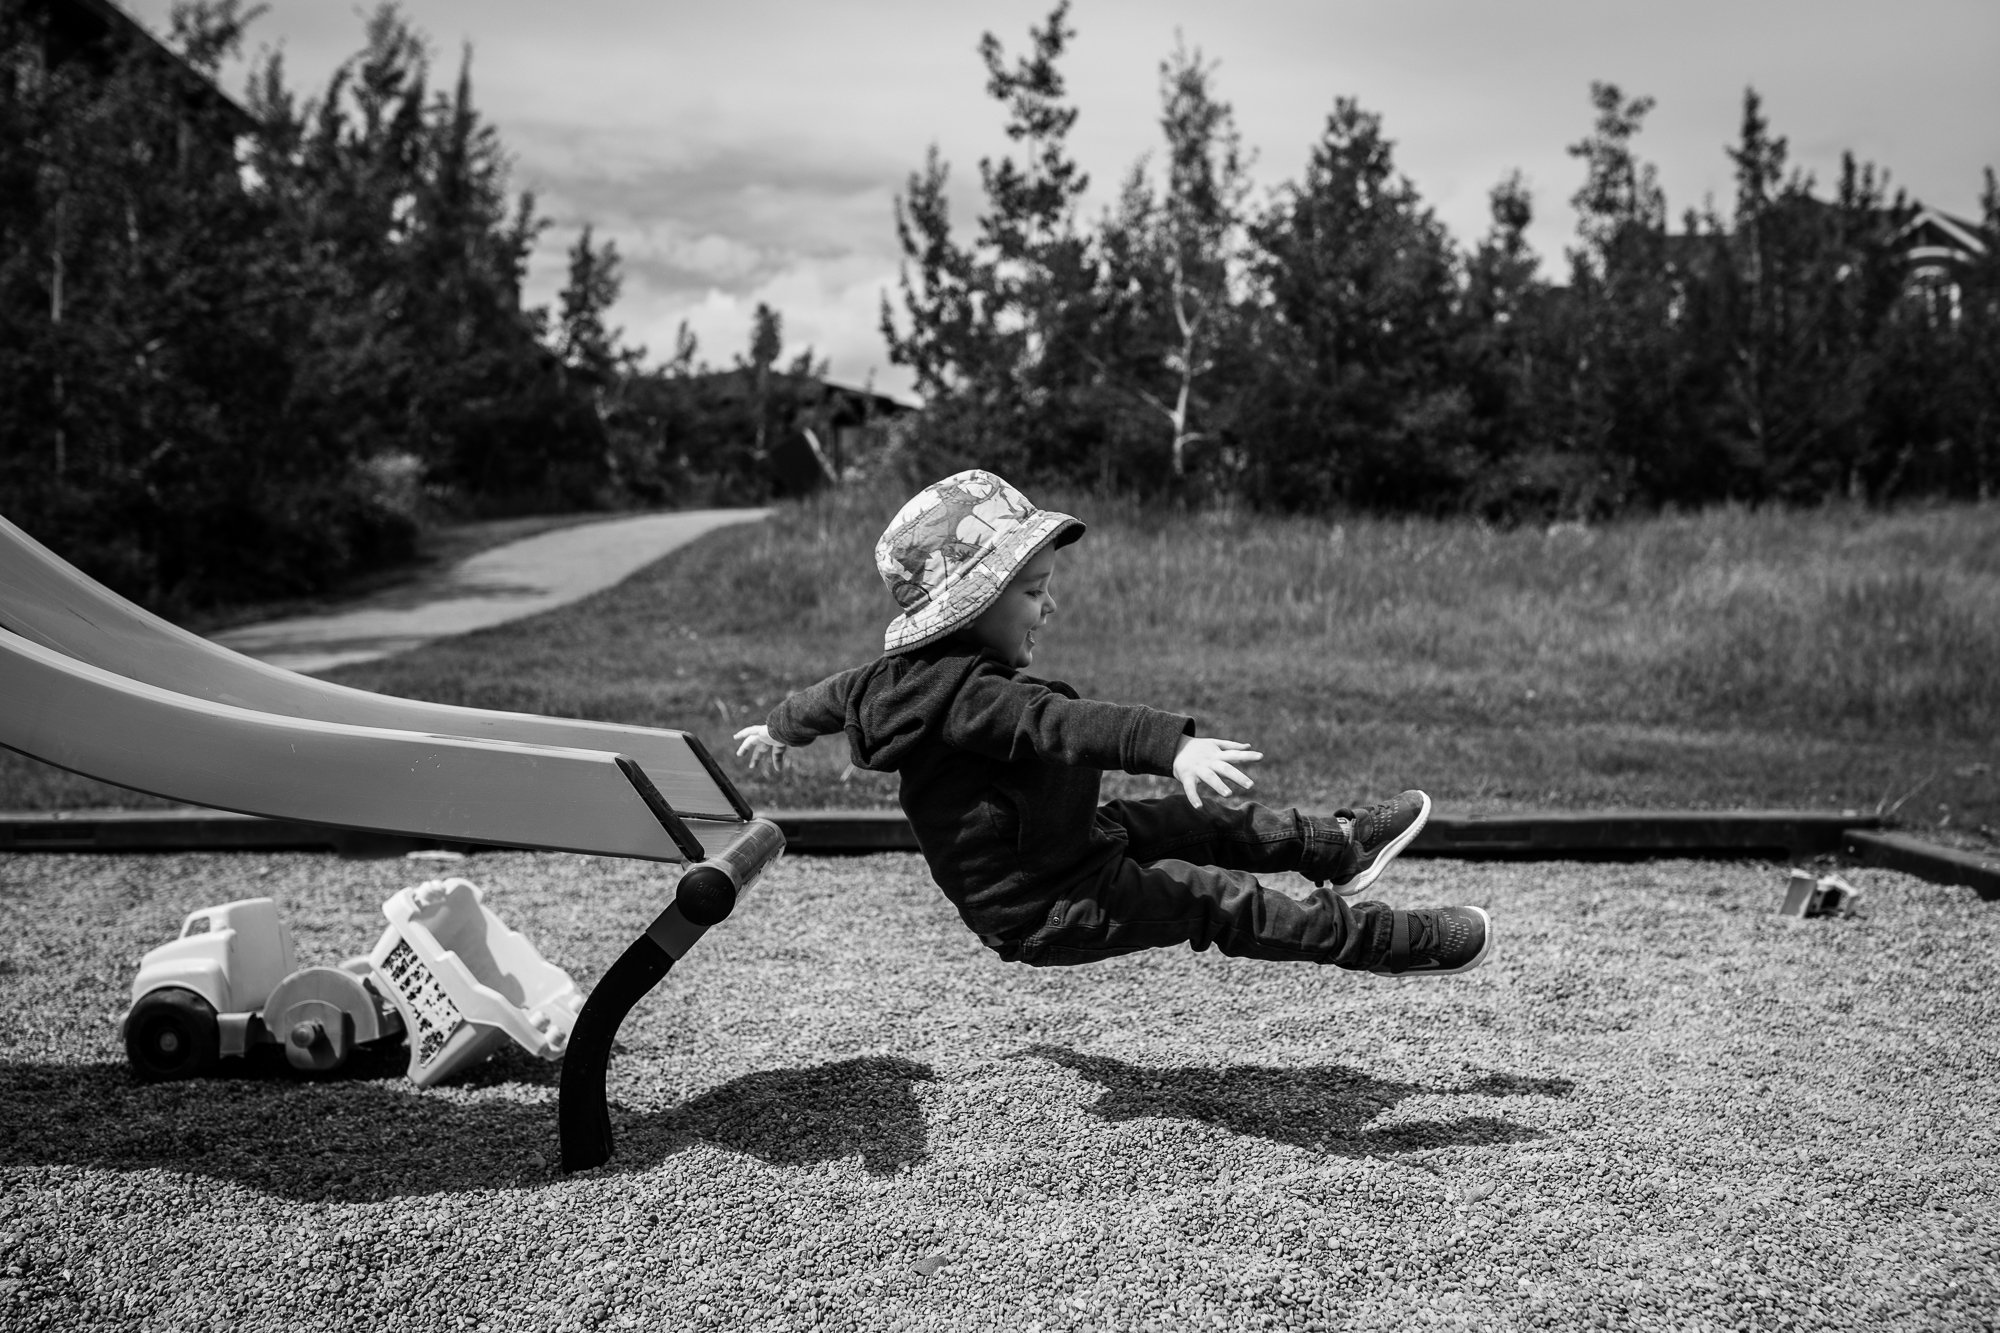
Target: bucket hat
949 553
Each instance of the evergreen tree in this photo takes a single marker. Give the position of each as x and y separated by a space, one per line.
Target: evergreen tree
1612 332
1358 398
148 325
1975 388
1924 416
1041 270
425 348
999 333
767 343
1804 288
1508 315
948 342
592 350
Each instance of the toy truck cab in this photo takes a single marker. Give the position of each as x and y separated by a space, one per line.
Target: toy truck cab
231 981
195 997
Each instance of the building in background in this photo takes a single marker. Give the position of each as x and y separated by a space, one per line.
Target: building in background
1938 249
836 431
97 34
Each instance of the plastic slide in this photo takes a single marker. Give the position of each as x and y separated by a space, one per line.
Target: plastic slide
45 599
455 788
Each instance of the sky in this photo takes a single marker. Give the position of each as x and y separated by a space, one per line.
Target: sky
751 151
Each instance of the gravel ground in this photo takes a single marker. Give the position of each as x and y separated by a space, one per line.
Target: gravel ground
1660 1106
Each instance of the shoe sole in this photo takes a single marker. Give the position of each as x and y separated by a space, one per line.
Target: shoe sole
1485 948
1388 853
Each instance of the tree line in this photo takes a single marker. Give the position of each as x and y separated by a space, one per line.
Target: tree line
248 351
247 355
1333 346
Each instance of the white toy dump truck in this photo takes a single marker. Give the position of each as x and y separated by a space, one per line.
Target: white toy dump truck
447 974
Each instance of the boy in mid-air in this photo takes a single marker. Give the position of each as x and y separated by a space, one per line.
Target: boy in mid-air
1000 777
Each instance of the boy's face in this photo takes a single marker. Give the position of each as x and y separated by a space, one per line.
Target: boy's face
1007 627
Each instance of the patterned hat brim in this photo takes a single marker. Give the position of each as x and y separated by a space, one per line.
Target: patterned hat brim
960 603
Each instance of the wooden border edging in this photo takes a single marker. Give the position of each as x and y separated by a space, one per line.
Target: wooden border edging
811 831
1614 834
1912 856
181 831
1549 836
1619 835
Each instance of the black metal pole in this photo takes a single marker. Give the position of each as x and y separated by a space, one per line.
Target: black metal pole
706 895
581 1114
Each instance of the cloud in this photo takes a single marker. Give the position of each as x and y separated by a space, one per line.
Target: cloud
828 307
765 187
708 227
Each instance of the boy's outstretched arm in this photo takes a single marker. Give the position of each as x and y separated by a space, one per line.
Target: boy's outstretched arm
817 710
1206 759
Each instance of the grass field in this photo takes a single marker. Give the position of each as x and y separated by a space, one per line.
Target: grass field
1837 658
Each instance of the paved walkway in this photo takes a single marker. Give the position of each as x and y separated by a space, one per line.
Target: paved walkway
505 583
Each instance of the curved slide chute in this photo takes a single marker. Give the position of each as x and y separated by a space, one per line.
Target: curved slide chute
45 599
455 788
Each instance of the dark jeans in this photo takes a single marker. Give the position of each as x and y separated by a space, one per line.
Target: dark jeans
1188 877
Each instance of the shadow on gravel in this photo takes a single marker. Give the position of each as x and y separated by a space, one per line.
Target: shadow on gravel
367 1133
864 1108
1327 1109
363 1134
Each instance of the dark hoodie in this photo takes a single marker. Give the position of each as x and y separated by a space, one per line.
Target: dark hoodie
999 770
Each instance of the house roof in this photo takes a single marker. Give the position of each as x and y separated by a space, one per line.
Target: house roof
1934 236
1929 237
94 29
735 381
884 402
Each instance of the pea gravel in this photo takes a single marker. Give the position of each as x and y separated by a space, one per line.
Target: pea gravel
1660 1106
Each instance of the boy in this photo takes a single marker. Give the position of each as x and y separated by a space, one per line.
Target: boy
1000 777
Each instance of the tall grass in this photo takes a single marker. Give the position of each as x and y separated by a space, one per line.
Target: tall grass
1821 619
1724 658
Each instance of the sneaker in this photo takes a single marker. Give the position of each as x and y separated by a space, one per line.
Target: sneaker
1375 836
1440 942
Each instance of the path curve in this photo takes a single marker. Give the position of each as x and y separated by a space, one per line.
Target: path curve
505 583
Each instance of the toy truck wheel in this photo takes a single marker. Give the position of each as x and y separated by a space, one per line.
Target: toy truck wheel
321 1014
172 1033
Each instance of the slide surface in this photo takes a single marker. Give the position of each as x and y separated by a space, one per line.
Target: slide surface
50 602
454 788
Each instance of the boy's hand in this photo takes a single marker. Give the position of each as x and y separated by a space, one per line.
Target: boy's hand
1206 759
758 742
